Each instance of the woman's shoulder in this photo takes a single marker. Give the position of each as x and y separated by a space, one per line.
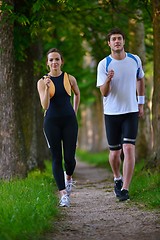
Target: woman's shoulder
70 77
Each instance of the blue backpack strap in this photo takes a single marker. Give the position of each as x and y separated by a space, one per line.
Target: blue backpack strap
133 57
108 60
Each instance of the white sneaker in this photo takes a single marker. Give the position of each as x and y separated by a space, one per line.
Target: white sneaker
69 184
65 201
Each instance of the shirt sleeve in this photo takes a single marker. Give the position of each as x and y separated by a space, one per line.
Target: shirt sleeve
101 73
140 73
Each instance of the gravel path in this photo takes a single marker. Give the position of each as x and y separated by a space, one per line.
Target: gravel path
95 213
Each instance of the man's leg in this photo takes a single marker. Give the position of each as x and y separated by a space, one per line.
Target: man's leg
128 164
115 162
114 137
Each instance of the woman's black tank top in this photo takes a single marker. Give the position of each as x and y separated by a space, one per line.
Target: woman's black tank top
60 104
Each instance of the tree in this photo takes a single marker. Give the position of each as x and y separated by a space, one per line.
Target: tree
137 46
11 155
27 51
155 158
78 29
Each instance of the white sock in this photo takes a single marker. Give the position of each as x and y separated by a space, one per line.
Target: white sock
119 178
124 189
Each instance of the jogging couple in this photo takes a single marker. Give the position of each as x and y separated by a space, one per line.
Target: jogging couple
120 78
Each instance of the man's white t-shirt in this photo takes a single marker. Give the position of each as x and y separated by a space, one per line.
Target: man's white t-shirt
122 97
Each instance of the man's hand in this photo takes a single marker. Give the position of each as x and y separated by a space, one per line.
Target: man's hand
141 110
110 75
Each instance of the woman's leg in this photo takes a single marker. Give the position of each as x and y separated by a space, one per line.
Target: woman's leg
53 134
70 133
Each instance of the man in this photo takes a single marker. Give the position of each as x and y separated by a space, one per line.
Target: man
120 78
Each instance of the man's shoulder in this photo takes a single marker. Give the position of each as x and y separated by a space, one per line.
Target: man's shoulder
102 60
135 57
105 62
101 63
105 59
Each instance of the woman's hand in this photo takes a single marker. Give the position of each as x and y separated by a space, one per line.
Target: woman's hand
47 81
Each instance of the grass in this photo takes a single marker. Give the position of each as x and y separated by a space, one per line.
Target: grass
28 206
145 185
99 159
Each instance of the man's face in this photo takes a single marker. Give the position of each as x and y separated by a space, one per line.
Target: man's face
116 42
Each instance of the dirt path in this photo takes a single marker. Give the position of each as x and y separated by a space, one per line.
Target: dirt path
96 215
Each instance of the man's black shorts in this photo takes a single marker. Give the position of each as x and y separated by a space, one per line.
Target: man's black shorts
121 129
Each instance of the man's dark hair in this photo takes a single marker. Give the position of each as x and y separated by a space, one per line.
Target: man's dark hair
115 31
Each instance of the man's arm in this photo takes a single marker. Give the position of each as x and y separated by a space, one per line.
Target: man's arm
141 95
105 88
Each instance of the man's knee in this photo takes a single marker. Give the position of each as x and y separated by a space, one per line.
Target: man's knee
115 154
128 147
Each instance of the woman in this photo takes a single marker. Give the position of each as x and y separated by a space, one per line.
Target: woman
60 123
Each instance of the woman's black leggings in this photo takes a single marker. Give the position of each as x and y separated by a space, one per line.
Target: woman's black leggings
61 134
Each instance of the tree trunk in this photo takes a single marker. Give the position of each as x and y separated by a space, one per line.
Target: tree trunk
155 158
137 46
26 90
92 135
12 160
29 115
41 146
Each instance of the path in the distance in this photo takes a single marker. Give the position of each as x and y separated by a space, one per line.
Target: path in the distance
96 215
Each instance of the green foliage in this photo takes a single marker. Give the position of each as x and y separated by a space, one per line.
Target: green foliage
69 25
76 22
27 206
39 5
6 8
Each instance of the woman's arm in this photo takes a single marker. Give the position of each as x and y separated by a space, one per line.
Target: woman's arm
43 90
75 89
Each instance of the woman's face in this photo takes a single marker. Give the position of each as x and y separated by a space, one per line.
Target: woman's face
54 61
